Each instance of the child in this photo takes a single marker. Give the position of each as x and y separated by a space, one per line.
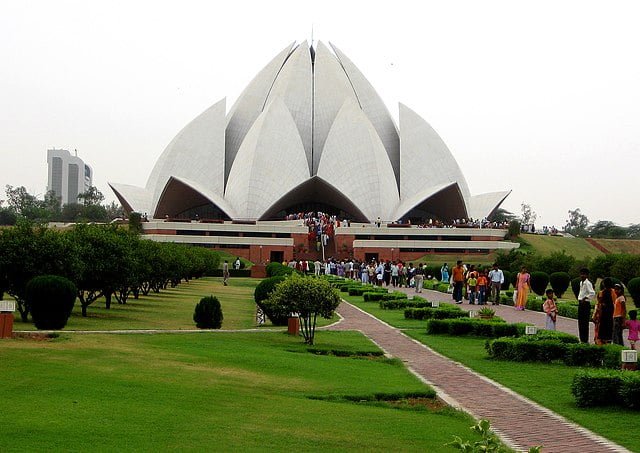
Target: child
551 309
619 314
634 328
482 288
472 282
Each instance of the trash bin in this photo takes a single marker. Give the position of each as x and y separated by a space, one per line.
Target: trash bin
7 307
294 325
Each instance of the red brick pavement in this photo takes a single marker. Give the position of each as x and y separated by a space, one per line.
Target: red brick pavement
521 423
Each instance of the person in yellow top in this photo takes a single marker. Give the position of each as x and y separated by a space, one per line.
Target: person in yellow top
619 314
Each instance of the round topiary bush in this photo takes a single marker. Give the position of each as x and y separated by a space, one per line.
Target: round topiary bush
539 282
208 313
634 289
560 282
50 299
508 280
575 286
261 294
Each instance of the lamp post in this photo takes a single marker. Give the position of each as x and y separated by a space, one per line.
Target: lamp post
392 249
260 254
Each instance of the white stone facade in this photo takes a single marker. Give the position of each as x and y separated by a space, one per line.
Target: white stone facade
309 128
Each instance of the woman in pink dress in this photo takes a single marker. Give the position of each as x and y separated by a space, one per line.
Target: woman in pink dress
522 285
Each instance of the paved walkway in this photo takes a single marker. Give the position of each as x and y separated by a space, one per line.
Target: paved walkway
520 423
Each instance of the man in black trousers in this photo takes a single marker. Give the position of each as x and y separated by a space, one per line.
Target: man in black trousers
585 296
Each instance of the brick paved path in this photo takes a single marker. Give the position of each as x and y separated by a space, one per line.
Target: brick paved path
521 423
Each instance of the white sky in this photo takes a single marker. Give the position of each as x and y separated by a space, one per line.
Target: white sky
541 97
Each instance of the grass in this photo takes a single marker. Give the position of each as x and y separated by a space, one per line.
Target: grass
224 255
545 245
621 245
547 384
219 391
170 309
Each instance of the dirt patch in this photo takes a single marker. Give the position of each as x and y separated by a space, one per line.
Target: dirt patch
35 336
433 404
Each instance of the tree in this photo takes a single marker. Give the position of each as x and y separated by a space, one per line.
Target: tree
607 229
208 313
51 299
528 216
309 298
8 216
577 223
91 197
633 231
502 215
114 211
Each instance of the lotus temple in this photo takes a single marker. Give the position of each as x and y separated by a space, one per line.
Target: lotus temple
311 134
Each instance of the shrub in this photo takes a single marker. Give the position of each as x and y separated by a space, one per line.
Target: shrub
634 289
508 280
575 286
358 290
630 390
274 269
51 299
539 282
208 313
476 327
582 354
434 313
396 304
567 310
559 282
372 296
261 295
596 387
534 304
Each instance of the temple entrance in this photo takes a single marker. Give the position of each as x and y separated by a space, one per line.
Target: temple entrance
276 256
368 257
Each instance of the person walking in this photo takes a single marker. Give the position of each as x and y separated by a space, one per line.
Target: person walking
634 328
585 296
458 281
225 273
419 278
482 288
496 279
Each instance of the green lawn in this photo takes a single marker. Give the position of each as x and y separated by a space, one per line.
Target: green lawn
577 247
215 392
170 309
547 384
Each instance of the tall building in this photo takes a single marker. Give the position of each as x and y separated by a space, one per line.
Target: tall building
69 176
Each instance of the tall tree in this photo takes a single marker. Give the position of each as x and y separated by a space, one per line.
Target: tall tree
528 215
577 223
91 197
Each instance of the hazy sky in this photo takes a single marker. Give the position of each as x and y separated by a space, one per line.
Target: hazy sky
540 97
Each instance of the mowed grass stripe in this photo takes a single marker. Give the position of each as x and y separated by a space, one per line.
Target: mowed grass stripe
207 392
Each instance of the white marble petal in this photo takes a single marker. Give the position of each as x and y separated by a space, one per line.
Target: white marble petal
355 162
133 198
455 202
330 90
375 109
294 85
425 159
213 197
249 105
270 162
196 153
483 205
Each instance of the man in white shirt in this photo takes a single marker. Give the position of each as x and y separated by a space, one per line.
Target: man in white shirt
496 279
585 296
316 267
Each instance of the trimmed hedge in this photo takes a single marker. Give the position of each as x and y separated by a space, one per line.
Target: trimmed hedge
546 349
51 299
560 282
475 327
398 304
634 289
434 313
375 296
606 387
539 282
